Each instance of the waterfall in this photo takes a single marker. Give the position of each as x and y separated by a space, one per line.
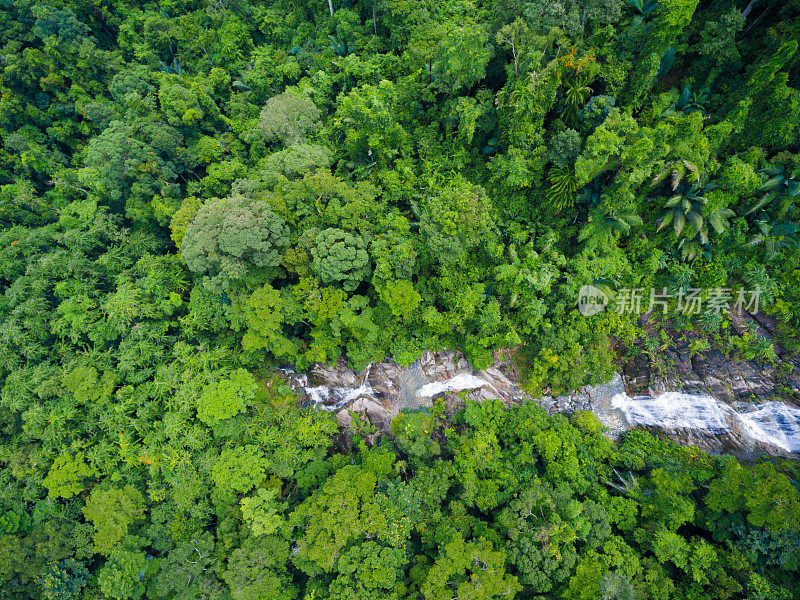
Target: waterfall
675 410
686 417
334 398
773 423
462 381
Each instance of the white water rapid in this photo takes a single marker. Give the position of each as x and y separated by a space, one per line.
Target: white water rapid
334 398
462 381
773 423
688 418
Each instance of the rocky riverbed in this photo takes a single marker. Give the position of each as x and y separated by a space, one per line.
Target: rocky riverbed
718 404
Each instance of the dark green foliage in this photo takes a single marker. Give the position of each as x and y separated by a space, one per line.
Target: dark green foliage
229 237
63 580
340 257
194 193
563 188
565 147
596 110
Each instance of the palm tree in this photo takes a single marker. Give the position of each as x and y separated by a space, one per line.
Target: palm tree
684 211
779 182
775 235
690 101
679 169
576 96
563 187
642 8
603 224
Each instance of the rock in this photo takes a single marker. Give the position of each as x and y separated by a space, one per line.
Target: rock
382 390
582 400
377 414
384 378
337 375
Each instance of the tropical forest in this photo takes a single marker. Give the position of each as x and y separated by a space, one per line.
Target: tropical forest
399 299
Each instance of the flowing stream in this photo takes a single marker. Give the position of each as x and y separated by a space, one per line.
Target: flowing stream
770 423
462 381
333 398
774 423
690 418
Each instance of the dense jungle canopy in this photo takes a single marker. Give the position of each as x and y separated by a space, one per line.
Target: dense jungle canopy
195 192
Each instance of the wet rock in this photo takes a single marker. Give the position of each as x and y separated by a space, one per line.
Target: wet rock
337 375
376 412
582 400
382 390
384 379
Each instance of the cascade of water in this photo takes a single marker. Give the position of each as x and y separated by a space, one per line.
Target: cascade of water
675 410
322 395
462 381
773 423
334 398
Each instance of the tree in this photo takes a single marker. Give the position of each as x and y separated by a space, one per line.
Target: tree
563 189
122 577
231 236
763 495
779 183
643 9
665 499
775 235
264 314
226 397
670 17
616 587
604 223
457 219
60 25
64 478
63 580
258 570
547 16
344 510
513 37
295 161
461 59
565 147
187 107
260 512
669 546
684 211
240 469
113 511
368 571
718 37
367 123
288 118
188 572
772 116
470 571
340 257
130 171
400 296
604 146
596 110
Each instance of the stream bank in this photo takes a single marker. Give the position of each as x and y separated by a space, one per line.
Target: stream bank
721 406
